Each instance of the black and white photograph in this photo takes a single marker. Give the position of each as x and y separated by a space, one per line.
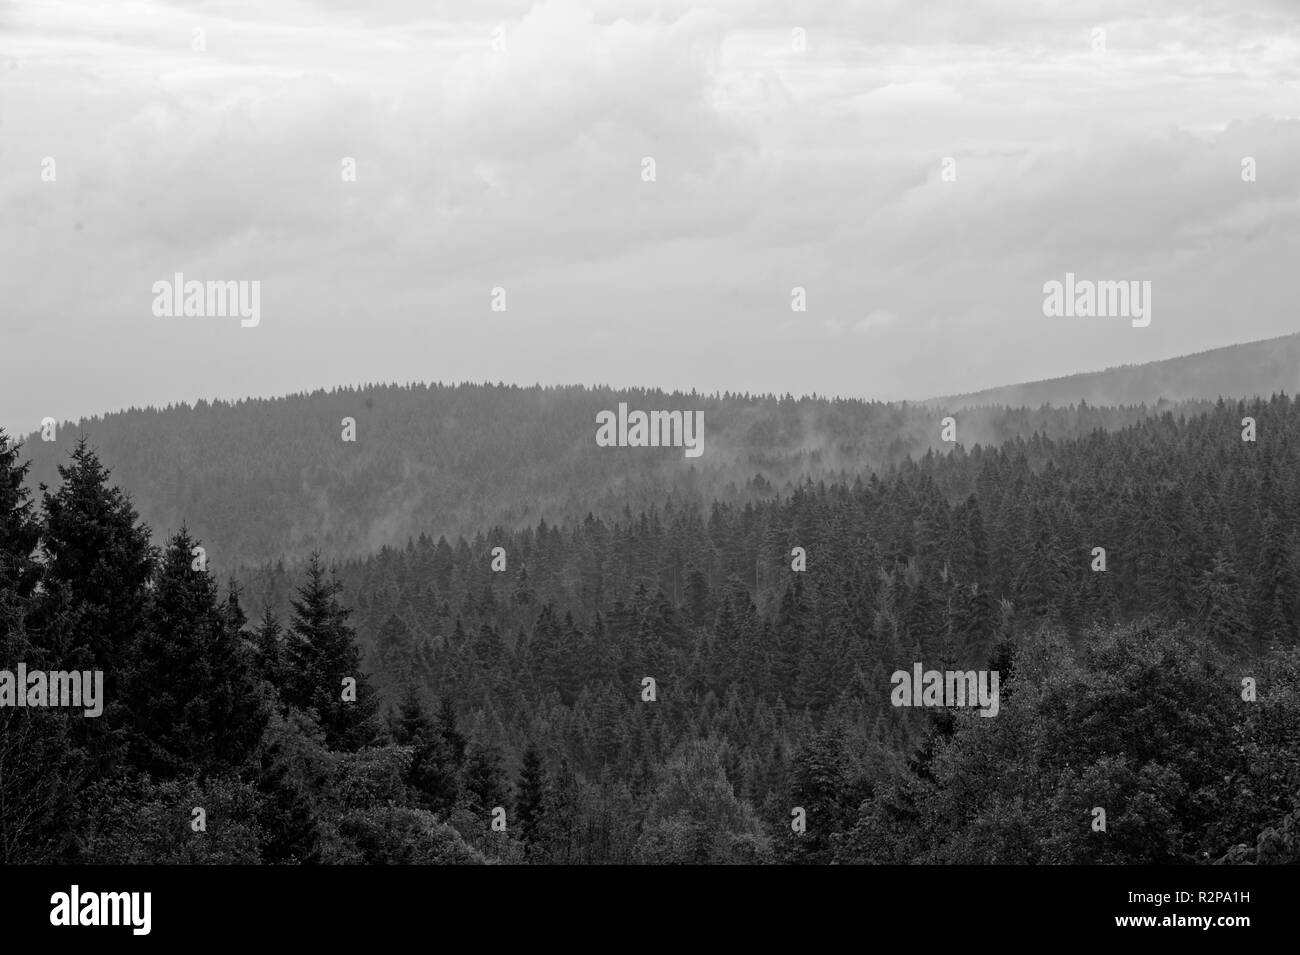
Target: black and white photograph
642 433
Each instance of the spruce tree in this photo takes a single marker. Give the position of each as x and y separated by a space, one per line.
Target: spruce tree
40 765
530 799
269 650
1277 587
20 531
191 692
99 560
433 774
451 735
1224 614
485 786
321 655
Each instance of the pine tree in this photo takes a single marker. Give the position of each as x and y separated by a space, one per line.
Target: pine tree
20 531
1277 587
191 694
40 765
269 649
697 599
449 732
322 654
99 561
976 624
394 660
484 782
433 773
530 799
821 784
789 639
1224 614
232 610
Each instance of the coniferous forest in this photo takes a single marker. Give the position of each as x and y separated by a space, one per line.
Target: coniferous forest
606 441
267 478
676 681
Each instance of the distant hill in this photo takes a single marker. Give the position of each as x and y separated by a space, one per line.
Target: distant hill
263 479
1236 371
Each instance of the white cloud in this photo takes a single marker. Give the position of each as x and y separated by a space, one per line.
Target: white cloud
774 169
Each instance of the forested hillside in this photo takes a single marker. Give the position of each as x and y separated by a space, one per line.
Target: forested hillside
518 695
1252 368
954 560
269 478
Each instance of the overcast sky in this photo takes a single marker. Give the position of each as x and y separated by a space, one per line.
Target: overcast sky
521 167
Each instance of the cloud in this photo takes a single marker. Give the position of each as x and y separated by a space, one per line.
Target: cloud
775 168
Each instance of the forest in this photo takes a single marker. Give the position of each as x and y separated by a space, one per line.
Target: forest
1131 577
270 478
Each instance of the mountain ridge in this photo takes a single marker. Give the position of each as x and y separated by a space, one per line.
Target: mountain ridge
265 479
1180 378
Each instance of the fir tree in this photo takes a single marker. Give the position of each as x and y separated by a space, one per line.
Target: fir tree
433 773
20 531
530 799
191 693
98 562
322 654
485 785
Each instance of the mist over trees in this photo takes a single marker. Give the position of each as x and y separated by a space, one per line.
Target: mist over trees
263 479
502 716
